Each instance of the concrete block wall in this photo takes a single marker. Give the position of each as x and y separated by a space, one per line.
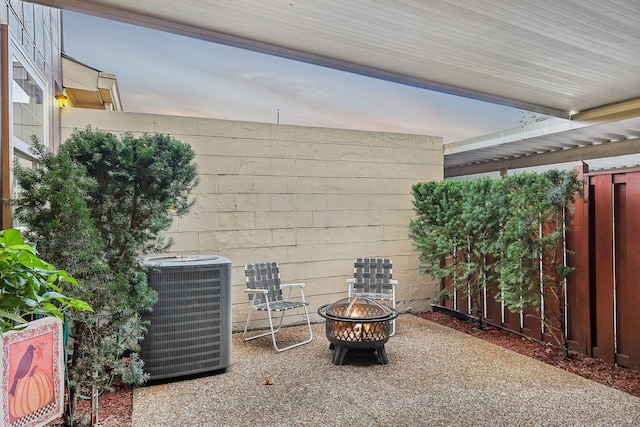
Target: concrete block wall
312 199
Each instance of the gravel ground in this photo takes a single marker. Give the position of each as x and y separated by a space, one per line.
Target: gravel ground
435 377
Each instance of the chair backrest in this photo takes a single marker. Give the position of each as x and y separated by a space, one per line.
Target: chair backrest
263 275
372 276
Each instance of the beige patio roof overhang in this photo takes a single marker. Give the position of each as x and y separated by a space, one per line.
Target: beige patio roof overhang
571 59
605 138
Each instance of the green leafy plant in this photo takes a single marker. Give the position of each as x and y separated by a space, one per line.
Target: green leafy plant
437 228
95 207
30 286
500 237
483 213
533 269
455 232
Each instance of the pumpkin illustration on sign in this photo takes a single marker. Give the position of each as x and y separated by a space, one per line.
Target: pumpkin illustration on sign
32 387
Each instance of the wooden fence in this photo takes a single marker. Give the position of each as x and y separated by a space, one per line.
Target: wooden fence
603 293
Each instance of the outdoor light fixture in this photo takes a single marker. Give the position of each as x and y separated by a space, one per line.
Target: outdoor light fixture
62 99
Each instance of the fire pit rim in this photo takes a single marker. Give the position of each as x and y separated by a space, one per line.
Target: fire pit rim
392 313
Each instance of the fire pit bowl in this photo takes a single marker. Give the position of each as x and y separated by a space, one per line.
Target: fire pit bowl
357 323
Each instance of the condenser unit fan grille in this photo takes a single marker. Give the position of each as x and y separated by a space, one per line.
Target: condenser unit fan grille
190 330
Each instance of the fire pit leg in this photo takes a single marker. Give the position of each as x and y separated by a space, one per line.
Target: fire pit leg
341 351
382 355
338 356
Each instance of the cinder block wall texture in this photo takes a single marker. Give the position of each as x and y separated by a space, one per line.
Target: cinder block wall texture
312 199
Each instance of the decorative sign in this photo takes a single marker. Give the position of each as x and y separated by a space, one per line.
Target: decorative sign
32 382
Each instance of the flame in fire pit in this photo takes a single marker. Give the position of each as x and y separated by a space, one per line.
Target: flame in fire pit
353 311
361 330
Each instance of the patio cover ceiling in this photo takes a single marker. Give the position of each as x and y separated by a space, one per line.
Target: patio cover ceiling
572 59
549 56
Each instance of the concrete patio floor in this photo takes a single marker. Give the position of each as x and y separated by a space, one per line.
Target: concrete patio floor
435 377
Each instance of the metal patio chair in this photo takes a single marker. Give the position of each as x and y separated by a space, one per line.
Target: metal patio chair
373 278
265 294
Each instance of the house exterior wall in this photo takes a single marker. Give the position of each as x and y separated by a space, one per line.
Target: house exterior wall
38 31
30 50
312 199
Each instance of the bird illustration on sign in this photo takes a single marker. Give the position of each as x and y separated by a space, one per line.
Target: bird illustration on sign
32 385
23 368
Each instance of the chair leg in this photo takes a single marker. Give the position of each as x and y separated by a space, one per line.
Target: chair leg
270 332
279 323
273 331
393 304
246 325
307 341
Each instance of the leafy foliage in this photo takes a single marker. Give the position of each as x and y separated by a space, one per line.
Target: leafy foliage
455 232
28 285
483 213
438 229
95 207
505 235
520 241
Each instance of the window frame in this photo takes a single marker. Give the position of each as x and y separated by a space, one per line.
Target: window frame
16 53
17 146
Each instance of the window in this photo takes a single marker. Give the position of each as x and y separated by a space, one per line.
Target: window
28 114
28 105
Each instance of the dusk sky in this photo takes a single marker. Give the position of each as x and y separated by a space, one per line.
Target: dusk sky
163 73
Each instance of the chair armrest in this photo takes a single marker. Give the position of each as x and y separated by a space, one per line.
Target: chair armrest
256 291
291 285
392 281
